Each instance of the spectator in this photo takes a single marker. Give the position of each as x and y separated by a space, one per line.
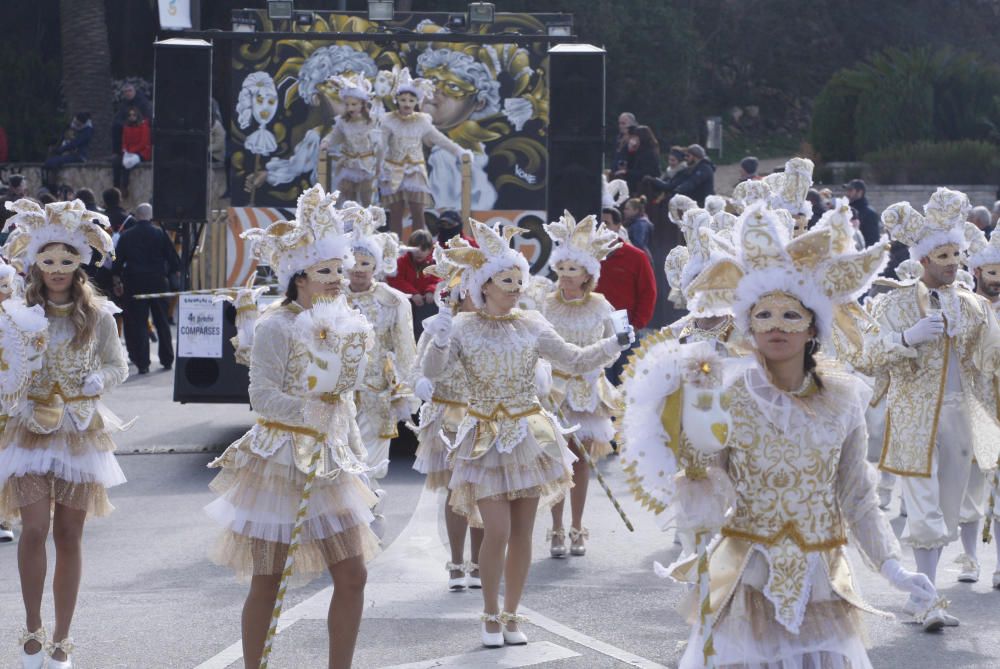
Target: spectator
640 159
626 120
673 175
981 218
65 193
88 198
130 97
449 225
870 227
410 277
818 206
859 239
112 198
627 282
45 197
639 227
136 147
748 169
76 140
145 258
17 187
698 181
827 196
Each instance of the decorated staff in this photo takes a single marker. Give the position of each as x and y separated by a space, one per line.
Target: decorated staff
292 502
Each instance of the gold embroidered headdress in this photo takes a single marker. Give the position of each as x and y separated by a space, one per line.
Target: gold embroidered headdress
70 223
707 241
494 255
982 251
813 268
365 238
353 86
315 235
586 242
942 223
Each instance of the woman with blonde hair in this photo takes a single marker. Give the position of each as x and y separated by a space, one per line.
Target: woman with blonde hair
56 452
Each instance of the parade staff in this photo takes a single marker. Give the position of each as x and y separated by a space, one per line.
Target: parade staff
145 258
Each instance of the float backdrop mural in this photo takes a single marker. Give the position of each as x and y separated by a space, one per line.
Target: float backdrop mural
490 98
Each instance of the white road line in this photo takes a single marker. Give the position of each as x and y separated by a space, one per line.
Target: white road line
506 657
406 582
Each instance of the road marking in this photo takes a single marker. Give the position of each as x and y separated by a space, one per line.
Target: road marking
406 582
494 658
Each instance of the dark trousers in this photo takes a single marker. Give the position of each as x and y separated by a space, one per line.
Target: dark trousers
136 317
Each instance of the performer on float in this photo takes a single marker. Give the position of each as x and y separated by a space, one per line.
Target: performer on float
386 397
937 338
354 140
510 455
984 262
588 400
264 472
403 172
56 453
782 468
445 402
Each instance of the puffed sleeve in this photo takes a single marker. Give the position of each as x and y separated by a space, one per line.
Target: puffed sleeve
856 493
272 348
437 358
114 368
569 357
435 137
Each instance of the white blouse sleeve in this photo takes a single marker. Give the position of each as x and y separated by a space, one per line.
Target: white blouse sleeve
114 368
571 358
268 361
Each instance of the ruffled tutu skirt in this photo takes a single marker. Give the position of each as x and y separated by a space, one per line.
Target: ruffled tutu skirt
352 173
432 457
747 636
257 505
413 188
531 469
71 467
594 430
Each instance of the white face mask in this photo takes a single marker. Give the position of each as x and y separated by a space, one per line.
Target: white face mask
781 312
265 103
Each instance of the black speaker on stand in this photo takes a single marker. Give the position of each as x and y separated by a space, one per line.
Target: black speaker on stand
576 130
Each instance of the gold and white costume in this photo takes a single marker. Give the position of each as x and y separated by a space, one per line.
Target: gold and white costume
439 420
356 144
403 175
263 472
57 441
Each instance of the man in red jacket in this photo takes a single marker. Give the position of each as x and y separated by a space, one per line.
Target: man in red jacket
628 283
410 277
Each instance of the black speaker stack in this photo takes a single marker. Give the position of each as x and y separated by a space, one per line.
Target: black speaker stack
576 130
182 120
214 380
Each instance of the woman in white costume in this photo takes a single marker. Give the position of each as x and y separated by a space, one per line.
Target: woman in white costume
354 140
792 455
587 401
56 454
263 472
510 454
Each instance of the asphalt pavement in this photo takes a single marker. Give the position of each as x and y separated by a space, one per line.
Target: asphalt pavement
151 599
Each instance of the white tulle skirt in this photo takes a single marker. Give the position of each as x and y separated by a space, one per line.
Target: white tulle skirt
71 467
413 188
595 431
257 505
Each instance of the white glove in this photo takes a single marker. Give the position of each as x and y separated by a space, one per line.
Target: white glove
316 414
926 329
440 327
424 389
93 385
466 154
918 585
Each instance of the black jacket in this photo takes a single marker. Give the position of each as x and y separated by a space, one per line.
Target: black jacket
144 258
698 181
868 221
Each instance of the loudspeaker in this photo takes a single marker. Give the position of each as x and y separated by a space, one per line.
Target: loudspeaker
214 380
182 104
576 130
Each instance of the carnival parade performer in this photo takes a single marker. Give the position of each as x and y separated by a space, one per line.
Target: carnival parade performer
305 424
56 452
403 172
780 472
385 398
938 339
354 141
510 454
587 401
444 404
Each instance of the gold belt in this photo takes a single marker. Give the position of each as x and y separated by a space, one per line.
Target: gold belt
451 403
348 154
295 429
50 398
405 161
563 375
501 409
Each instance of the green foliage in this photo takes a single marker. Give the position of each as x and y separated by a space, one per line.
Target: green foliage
961 162
31 112
899 97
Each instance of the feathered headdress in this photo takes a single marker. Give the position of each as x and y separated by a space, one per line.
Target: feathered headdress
587 242
353 86
613 193
943 222
69 223
493 255
767 260
382 246
315 235
398 80
982 251
453 276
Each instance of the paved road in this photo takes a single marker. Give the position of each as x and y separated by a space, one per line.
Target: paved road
150 598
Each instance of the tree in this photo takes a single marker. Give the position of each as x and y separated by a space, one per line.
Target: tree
86 67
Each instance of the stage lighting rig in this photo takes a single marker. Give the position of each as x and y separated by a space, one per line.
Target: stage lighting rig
381 10
481 13
280 9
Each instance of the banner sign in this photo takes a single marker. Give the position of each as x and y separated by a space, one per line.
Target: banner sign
199 328
175 14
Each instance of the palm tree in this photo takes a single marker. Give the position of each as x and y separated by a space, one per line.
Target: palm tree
86 67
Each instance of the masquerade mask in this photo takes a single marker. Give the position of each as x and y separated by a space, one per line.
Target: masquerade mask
57 260
509 281
363 262
264 105
990 273
328 271
779 311
449 83
569 269
946 255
